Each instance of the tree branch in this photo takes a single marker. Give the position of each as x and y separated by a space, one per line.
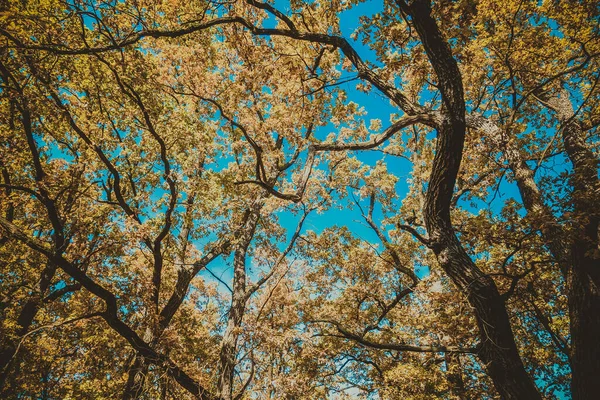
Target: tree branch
397 347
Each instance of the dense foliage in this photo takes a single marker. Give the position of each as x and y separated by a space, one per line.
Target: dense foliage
245 200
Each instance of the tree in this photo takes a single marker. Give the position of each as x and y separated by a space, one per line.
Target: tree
145 143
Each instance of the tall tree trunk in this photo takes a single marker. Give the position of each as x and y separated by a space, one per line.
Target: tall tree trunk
227 357
497 350
583 283
584 278
584 313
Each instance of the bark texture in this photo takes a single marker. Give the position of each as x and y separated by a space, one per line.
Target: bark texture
584 275
497 350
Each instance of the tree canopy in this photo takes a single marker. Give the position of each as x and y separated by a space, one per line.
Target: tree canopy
299 199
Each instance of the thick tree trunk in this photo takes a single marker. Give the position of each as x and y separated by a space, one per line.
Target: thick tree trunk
497 350
574 252
584 313
584 276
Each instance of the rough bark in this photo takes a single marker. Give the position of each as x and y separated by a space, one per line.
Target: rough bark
583 282
497 349
573 251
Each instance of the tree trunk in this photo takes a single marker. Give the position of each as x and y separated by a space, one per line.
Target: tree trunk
227 357
497 349
136 377
584 277
584 313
